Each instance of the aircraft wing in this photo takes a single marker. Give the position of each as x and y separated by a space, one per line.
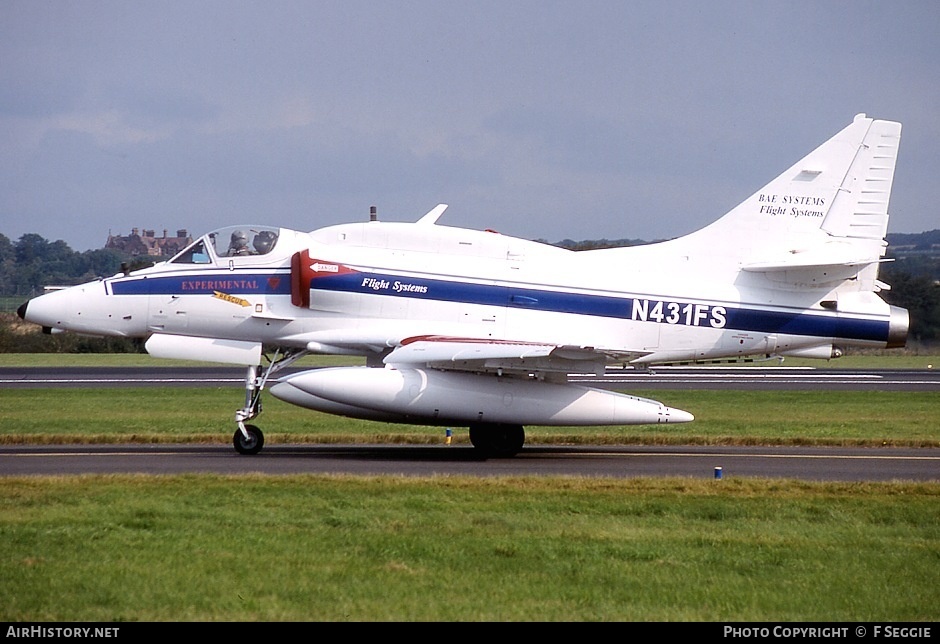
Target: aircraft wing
435 348
484 354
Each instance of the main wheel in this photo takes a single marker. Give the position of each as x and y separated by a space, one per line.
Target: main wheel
250 445
497 440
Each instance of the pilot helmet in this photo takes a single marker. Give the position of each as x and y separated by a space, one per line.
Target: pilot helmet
239 239
264 241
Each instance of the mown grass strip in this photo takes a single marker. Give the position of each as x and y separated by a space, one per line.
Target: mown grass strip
170 414
335 548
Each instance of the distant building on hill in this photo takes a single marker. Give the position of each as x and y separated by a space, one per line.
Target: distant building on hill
147 243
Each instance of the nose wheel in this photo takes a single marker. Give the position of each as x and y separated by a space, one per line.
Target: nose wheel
250 441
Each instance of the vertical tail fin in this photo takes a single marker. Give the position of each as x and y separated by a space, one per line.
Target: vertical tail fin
828 209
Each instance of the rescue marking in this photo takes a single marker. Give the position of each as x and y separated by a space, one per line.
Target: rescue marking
230 298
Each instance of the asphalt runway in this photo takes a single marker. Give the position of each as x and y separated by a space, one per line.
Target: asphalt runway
719 463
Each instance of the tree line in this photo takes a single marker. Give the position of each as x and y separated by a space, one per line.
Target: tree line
33 262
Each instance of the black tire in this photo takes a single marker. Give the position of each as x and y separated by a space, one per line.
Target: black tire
251 445
500 441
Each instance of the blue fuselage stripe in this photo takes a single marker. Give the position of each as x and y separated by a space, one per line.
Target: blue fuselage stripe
823 325
724 317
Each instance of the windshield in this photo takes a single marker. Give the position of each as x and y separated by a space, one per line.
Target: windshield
233 241
237 241
195 254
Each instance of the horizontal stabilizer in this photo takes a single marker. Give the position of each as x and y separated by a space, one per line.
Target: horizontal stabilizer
830 255
822 265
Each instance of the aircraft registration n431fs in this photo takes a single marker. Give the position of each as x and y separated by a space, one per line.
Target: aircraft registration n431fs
475 329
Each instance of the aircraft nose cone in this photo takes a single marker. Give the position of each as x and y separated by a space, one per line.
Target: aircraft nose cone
22 310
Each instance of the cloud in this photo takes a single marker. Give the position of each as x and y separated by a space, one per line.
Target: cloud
542 119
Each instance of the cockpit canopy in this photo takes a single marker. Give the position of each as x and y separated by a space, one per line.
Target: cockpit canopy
232 241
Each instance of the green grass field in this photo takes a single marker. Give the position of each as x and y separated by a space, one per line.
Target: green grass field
325 548
168 414
451 548
206 415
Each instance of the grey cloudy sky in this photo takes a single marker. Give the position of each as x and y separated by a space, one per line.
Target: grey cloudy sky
542 119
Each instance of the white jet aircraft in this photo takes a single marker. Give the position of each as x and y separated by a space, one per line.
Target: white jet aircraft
476 329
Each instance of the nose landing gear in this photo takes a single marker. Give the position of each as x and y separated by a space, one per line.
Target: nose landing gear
249 439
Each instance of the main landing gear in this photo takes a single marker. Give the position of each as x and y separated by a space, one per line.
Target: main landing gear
500 441
249 439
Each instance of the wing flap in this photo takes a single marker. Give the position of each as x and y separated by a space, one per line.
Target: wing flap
497 356
425 349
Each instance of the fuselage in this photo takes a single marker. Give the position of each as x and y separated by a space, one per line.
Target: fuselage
364 288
